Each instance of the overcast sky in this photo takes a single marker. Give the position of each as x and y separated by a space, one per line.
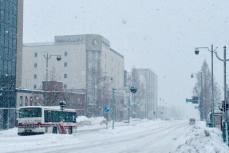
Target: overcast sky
156 34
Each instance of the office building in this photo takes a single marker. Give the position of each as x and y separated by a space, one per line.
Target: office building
82 62
11 24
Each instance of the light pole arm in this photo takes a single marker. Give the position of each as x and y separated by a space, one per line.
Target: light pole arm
207 48
217 56
203 48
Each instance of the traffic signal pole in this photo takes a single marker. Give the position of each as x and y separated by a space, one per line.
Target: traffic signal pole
113 108
224 60
225 93
212 87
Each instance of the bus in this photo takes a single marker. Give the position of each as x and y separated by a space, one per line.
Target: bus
46 119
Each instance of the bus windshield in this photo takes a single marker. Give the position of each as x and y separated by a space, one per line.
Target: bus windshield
29 112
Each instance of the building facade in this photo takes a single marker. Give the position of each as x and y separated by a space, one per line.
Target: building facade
145 100
11 18
51 94
87 63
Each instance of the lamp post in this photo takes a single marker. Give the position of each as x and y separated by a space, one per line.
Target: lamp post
224 60
212 51
133 90
47 58
201 92
113 108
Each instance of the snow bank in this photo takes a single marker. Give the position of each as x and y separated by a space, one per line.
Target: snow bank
85 121
201 139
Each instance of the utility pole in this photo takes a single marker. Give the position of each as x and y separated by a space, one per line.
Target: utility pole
133 90
201 96
47 58
201 93
224 60
225 92
212 87
129 109
212 51
113 108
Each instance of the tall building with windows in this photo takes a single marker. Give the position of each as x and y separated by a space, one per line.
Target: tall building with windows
87 63
11 19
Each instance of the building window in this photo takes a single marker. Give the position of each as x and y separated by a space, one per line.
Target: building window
35 65
26 101
35 86
35 54
65 64
65 75
65 53
31 101
34 76
21 101
65 86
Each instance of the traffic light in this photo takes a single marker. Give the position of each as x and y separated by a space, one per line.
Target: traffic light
224 106
133 89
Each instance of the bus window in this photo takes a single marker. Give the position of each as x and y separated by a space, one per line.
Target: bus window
29 112
48 116
58 116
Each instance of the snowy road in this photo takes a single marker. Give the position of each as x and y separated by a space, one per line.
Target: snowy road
143 137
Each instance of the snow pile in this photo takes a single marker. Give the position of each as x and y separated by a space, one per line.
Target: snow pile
83 120
85 123
201 139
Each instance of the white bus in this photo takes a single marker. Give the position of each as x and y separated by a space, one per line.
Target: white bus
44 119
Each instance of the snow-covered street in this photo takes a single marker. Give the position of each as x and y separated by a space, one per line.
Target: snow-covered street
138 137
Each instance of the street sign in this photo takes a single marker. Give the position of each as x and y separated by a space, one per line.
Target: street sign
106 109
188 100
194 100
224 106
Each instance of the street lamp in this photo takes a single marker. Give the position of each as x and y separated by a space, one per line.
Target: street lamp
115 93
47 58
133 90
225 60
201 91
62 105
212 51
113 108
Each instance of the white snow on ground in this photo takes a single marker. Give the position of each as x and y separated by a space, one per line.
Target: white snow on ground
140 136
201 139
85 123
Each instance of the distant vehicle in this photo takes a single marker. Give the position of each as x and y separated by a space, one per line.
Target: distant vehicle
44 119
192 121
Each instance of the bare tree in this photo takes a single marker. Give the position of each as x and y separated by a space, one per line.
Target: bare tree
206 103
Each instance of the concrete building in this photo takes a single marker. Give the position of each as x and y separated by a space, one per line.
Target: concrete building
87 63
51 94
11 23
145 100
